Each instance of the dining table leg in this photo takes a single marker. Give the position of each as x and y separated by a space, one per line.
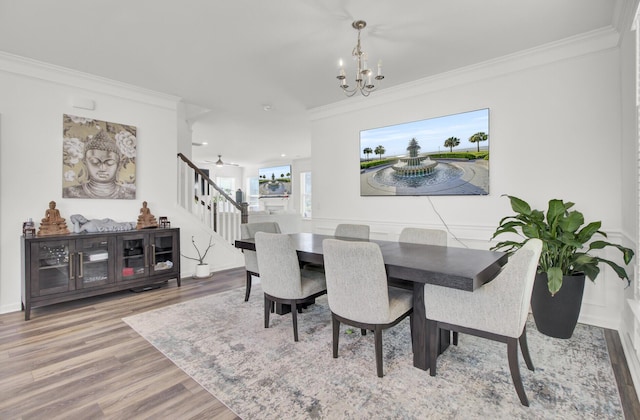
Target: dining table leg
420 330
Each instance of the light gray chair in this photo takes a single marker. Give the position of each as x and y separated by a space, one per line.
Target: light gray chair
358 293
498 310
423 236
281 277
248 231
347 230
344 230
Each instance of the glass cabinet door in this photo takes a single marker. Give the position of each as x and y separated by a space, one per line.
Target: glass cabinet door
94 268
132 261
163 247
54 268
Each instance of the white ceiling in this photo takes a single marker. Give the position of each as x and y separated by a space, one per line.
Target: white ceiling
234 57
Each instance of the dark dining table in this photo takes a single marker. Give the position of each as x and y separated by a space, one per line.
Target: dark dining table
459 268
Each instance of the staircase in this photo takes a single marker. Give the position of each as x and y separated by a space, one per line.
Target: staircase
200 196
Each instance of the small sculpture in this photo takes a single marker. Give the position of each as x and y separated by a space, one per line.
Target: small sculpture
82 224
146 219
29 228
52 223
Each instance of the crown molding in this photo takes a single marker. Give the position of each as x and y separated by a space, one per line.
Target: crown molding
29 68
587 43
624 15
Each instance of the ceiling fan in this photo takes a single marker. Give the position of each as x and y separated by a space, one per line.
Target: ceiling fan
219 163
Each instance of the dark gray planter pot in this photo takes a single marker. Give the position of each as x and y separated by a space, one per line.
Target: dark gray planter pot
557 316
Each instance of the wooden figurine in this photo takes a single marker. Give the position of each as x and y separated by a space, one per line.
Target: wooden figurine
52 223
146 219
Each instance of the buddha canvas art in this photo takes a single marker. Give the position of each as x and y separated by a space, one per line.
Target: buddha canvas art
99 159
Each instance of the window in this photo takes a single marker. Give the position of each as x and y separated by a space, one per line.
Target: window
253 187
227 184
305 194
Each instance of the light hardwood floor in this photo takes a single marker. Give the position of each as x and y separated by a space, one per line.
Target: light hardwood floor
79 360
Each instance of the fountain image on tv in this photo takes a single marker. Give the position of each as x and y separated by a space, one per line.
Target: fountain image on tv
275 181
446 155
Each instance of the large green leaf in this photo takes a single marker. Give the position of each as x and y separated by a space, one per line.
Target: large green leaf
504 229
627 254
572 222
507 246
588 231
598 244
537 216
531 231
554 279
568 238
556 209
620 271
585 263
590 271
519 206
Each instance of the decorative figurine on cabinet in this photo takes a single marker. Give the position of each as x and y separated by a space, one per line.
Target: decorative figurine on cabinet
146 219
29 229
52 223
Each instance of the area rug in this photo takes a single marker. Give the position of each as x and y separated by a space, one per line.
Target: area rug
220 341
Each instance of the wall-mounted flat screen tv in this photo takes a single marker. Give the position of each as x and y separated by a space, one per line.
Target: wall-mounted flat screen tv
275 181
446 155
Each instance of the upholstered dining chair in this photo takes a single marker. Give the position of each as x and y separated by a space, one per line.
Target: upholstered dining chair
281 277
344 230
423 236
347 230
358 294
248 231
498 310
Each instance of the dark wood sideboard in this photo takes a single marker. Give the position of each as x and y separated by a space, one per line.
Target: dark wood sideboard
68 267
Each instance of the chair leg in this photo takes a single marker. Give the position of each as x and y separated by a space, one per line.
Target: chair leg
363 331
336 335
512 354
377 333
294 315
248 288
525 349
267 307
455 338
434 338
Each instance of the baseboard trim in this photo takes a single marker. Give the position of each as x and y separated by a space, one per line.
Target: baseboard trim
11 307
632 358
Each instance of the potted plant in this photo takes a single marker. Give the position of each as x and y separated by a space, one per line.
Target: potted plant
564 262
202 269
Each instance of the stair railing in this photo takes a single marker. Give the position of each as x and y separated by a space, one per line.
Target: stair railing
199 195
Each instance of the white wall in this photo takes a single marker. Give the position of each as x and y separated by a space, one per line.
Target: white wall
630 325
554 127
554 133
34 98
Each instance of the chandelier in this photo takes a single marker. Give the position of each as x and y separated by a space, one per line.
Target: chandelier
364 75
